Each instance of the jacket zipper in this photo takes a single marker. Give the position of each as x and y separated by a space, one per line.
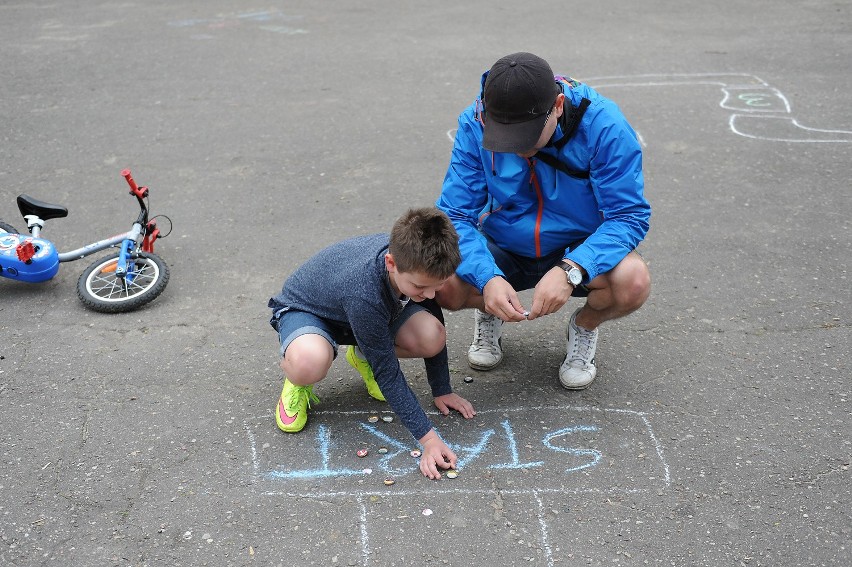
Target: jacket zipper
534 182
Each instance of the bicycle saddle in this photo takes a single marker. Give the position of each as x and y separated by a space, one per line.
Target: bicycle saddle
29 206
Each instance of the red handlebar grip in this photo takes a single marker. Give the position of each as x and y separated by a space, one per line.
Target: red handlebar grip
126 174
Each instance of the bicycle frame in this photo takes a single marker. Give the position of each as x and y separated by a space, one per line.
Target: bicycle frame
125 239
129 243
118 282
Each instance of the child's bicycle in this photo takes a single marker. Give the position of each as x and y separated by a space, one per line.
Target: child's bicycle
121 281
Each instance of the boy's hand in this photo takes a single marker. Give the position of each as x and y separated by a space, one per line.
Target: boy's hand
453 401
435 454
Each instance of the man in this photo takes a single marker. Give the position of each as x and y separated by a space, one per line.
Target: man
545 189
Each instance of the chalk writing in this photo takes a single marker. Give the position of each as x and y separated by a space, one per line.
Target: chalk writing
513 449
596 455
547 450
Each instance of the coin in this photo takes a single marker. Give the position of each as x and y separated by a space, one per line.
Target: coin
452 473
387 418
373 418
389 481
383 450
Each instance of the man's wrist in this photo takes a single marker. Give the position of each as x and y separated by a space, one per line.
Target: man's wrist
574 273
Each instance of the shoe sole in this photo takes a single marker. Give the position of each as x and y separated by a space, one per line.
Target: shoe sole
476 366
583 387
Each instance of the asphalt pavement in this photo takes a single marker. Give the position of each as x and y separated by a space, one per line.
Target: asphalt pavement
718 432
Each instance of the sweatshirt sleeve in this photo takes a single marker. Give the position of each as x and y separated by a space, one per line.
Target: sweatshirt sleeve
370 327
438 366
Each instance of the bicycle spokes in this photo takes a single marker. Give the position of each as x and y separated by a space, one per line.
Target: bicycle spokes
106 285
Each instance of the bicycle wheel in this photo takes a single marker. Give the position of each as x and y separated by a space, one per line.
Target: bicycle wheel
8 228
101 290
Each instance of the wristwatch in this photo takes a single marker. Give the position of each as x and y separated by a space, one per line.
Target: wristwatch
575 276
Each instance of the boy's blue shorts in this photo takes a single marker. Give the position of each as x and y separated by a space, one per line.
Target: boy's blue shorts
293 323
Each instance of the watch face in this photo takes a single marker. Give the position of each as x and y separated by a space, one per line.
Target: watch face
575 276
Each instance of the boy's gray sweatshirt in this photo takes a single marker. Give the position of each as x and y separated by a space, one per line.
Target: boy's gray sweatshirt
348 284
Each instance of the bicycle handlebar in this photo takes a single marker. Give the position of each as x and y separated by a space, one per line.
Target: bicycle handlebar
140 192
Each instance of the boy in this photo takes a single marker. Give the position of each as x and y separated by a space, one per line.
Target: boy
376 292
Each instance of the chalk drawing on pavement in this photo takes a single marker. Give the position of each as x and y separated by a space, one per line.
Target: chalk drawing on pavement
273 21
558 451
559 448
758 110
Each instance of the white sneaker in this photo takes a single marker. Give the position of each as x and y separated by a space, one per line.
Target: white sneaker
485 352
579 370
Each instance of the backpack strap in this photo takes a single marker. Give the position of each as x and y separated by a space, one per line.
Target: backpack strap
569 121
553 162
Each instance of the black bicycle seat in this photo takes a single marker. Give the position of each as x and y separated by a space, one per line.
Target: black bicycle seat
44 211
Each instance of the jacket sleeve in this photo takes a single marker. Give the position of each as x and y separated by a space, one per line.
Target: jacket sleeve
463 197
617 182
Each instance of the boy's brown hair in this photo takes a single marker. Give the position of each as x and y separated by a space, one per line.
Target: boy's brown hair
424 240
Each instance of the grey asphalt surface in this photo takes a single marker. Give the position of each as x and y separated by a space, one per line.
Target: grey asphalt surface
717 433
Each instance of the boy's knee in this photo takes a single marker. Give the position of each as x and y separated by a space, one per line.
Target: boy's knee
435 340
427 340
305 366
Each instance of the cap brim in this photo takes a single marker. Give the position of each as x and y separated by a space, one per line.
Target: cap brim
515 138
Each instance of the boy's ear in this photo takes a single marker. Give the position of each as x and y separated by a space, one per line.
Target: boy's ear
390 263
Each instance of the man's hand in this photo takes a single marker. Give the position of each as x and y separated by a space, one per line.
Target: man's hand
453 401
435 454
501 300
551 293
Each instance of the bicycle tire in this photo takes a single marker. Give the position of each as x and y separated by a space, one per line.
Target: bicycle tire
8 228
100 290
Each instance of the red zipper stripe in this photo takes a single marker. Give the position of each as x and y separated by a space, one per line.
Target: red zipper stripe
534 182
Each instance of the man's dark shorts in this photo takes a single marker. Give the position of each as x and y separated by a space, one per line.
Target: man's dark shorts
525 273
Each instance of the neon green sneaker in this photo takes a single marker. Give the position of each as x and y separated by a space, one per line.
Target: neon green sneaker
363 368
291 415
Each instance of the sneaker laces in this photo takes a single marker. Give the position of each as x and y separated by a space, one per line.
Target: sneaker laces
585 343
300 392
485 327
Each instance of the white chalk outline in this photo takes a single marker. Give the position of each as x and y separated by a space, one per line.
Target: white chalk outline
727 82
361 496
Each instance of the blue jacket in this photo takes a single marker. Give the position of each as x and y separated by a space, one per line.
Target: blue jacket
531 209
